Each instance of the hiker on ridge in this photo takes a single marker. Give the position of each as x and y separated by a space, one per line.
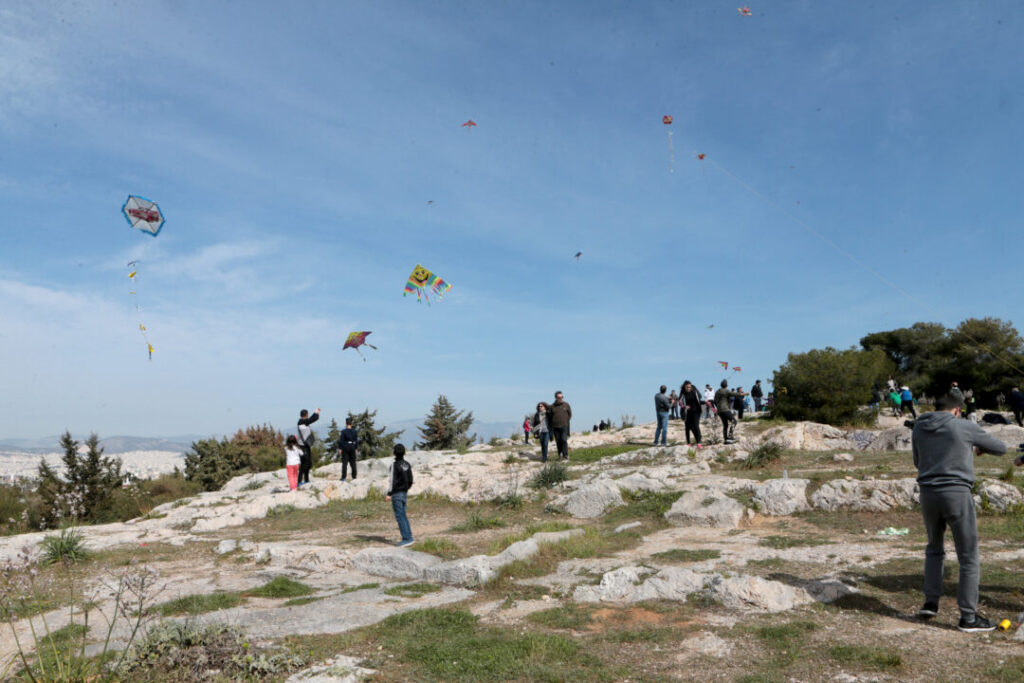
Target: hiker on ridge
561 416
723 402
757 393
306 442
691 404
662 410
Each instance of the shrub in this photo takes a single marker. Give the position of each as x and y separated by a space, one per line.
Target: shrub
829 386
68 547
282 509
550 476
475 522
627 421
211 463
768 452
442 547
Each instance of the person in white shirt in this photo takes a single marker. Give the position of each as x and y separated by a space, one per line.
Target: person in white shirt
292 458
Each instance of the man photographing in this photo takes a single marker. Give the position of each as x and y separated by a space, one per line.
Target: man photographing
944 449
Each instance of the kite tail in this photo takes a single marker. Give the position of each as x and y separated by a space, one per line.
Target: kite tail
440 288
671 154
372 347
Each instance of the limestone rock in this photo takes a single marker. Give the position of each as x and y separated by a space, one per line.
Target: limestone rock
892 439
842 457
394 563
615 586
745 592
871 496
228 545
782 496
1000 495
591 499
627 526
470 571
707 643
706 508
340 669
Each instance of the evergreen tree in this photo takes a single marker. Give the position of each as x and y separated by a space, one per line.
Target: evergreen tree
330 444
87 487
446 428
373 442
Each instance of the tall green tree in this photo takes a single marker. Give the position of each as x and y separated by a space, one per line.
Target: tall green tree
828 385
915 352
329 445
87 486
374 442
446 428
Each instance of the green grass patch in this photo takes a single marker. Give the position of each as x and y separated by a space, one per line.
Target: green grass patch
295 602
783 542
412 590
684 555
765 454
866 656
68 546
476 522
198 604
441 547
591 543
360 587
595 453
569 616
450 645
280 587
1010 671
641 504
549 476
282 509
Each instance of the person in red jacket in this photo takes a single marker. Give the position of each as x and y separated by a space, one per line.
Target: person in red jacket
526 429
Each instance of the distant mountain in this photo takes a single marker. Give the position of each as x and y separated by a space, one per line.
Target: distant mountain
111 444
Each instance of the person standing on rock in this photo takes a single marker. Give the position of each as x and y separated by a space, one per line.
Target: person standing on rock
954 391
709 401
526 430
399 483
739 404
306 441
542 428
894 402
723 402
292 459
561 418
691 405
674 399
944 449
757 393
347 444
662 410
1016 401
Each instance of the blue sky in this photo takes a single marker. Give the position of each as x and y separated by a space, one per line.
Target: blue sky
294 149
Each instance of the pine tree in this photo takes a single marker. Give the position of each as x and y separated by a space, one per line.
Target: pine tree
372 442
446 428
330 444
87 487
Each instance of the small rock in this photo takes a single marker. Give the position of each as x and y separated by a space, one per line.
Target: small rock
228 545
706 508
842 457
394 563
630 525
782 496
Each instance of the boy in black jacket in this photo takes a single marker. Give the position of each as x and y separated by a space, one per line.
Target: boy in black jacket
347 442
399 483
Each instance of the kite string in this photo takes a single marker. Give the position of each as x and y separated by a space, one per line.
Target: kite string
832 243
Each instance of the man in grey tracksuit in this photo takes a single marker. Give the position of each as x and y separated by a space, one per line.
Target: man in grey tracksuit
944 449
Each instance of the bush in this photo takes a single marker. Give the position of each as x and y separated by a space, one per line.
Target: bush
551 475
627 421
68 547
211 463
768 452
829 386
85 489
475 522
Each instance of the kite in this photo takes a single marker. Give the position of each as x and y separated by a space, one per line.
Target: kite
468 125
420 279
737 368
744 11
142 328
725 366
357 339
711 326
143 214
701 156
577 257
667 120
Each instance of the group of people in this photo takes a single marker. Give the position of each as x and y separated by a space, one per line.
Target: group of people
299 462
691 406
550 421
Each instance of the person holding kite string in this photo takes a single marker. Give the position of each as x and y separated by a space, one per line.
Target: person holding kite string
306 439
723 402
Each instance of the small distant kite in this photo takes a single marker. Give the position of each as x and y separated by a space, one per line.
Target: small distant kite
725 366
667 120
430 201
711 326
737 368
701 156
357 339
143 214
420 279
469 125
577 256
744 11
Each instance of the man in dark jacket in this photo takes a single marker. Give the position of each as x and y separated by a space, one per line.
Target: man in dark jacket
561 416
723 403
347 443
662 410
757 393
306 442
1016 401
944 449
399 483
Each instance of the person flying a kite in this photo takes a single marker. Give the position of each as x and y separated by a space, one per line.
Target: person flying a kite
357 339
420 279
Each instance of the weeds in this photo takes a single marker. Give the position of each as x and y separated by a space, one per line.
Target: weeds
67 547
412 590
684 555
475 522
763 455
550 476
279 587
442 547
282 509
198 604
